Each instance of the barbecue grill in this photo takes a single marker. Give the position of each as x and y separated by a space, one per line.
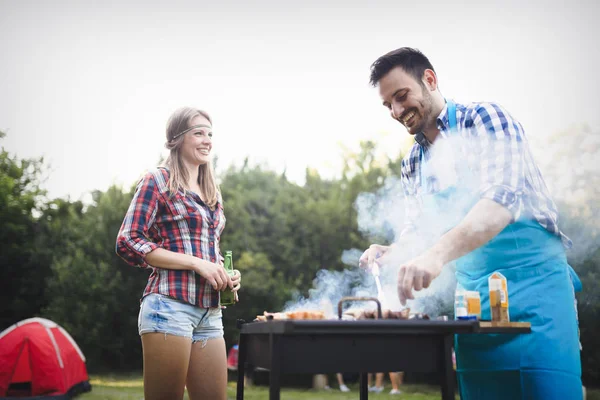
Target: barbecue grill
363 346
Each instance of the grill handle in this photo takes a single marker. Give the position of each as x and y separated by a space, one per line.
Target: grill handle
348 299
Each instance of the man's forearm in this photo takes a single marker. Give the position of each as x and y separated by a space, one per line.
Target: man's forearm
485 220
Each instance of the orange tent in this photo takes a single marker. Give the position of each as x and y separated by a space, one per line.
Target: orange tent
38 358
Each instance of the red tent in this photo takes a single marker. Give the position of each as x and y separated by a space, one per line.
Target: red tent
40 359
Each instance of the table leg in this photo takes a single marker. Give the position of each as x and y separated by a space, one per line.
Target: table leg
276 364
447 372
241 367
364 386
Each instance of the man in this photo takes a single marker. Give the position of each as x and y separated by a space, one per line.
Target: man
503 219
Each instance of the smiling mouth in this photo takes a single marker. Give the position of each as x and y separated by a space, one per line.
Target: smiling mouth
404 120
204 151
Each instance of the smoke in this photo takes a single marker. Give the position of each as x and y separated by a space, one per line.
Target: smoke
329 287
381 214
351 257
569 171
382 218
386 211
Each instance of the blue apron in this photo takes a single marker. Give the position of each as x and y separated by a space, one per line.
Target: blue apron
544 364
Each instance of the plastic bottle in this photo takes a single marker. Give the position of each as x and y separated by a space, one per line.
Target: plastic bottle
473 299
467 303
460 302
227 297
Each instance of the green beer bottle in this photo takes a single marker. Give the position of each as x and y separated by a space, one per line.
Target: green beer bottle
227 296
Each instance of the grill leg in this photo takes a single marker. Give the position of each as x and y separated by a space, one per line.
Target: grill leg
275 373
241 367
364 386
447 372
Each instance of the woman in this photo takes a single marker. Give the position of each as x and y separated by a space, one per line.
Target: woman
173 226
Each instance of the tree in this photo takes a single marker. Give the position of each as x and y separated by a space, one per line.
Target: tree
93 293
22 273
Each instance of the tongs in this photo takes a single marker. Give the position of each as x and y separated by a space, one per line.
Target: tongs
380 294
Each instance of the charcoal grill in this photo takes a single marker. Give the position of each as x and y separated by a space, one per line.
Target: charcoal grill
363 346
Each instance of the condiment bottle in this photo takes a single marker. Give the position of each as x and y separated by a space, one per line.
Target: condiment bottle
498 297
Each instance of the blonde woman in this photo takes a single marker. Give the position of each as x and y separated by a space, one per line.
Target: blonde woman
173 227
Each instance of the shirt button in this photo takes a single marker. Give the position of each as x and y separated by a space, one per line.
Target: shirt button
212 243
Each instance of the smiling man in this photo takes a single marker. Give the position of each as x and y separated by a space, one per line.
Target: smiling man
502 219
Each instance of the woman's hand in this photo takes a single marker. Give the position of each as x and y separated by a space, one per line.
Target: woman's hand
215 274
236 280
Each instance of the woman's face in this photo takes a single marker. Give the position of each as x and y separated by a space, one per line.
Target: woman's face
197 143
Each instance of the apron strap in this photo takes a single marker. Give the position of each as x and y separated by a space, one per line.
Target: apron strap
452 115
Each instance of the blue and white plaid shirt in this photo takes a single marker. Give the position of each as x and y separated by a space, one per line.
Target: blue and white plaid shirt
494 146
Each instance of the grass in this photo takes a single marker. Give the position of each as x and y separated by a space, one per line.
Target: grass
131 388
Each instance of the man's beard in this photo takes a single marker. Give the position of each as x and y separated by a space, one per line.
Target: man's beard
426 106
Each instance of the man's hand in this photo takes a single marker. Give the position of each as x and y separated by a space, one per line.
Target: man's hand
417 274
374 252
485 220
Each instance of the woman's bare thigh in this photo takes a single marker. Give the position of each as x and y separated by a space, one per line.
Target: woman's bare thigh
207 372
166 361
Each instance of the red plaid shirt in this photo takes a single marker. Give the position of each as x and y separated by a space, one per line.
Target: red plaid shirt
181 223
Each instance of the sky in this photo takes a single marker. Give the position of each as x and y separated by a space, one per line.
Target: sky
90 85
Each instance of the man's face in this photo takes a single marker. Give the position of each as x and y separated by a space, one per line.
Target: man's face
408 101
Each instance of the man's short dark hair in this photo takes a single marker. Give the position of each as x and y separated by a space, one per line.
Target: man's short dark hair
412 61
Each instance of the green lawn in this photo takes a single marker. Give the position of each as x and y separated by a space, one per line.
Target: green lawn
131 388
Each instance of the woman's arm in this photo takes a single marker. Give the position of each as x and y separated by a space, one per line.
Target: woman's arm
213 273
132 240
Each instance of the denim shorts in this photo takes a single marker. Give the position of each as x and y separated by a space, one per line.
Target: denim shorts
163 314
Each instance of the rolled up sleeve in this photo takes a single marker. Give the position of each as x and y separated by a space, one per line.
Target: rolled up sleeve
502 163
132 240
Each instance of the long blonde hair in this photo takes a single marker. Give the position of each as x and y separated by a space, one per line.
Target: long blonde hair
178 177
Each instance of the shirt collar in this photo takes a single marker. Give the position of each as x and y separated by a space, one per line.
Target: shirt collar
442 119
442 123
422 140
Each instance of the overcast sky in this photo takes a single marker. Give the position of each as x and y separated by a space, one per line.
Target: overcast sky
90 85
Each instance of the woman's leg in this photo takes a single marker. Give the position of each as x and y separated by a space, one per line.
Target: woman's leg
207 372
166 359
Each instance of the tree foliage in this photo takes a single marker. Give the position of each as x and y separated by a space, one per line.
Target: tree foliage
59 258
20 262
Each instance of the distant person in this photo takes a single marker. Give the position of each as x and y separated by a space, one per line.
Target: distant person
342 385
340 380
173 227
395 379
470 177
